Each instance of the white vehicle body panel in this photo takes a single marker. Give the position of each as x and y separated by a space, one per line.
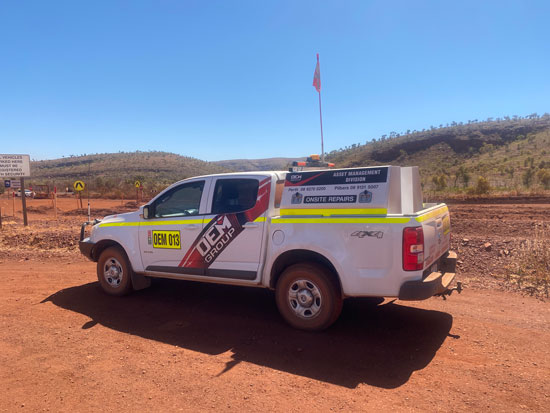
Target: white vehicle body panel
359 233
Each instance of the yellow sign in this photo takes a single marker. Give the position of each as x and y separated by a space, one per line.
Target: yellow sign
78 186
137 184
166 239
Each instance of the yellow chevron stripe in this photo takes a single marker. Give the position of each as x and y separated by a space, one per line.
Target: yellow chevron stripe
340 220
158 223
152 223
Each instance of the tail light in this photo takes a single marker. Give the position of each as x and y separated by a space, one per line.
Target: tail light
413 249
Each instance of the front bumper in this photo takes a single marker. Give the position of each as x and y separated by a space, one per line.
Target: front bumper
86 248
85 245
436 283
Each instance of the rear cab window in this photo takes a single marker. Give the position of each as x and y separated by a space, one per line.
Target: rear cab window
234 195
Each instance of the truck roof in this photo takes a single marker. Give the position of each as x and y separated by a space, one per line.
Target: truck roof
270 173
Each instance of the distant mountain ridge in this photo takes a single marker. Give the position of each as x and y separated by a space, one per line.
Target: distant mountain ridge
510 153
111 171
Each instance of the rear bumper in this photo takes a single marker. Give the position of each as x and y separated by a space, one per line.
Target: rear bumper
435 283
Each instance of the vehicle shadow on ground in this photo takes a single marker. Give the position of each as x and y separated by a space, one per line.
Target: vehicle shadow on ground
380 345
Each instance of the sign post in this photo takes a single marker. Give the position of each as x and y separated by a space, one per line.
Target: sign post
24 201
79 187
17 166
137 184
55 201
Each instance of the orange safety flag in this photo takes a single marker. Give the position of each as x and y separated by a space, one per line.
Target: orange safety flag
317 76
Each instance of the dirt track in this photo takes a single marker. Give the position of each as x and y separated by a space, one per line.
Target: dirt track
188 346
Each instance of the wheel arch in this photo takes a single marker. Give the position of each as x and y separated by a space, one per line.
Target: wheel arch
102 245
296 256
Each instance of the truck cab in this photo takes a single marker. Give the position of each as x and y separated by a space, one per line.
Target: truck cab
314 237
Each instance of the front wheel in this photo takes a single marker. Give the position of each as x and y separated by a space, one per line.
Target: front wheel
114 272
307 296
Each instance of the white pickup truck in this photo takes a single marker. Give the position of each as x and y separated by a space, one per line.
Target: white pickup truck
314 237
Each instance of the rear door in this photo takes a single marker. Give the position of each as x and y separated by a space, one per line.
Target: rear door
231 241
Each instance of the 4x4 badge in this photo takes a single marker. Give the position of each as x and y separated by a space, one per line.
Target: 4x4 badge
363 234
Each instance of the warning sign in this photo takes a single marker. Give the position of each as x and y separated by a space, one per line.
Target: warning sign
137 184
78 186
166 239
344 188
15 166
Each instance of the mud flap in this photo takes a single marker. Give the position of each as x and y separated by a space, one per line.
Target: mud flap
140 282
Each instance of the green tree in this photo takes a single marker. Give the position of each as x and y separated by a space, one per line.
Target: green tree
462 175
440 182
482 186
543 176
527 177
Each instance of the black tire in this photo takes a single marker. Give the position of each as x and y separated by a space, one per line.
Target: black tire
308 297
114 272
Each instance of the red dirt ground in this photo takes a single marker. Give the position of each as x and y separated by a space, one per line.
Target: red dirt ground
186 346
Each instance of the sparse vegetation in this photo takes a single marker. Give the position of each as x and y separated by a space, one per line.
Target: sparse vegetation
543 176
440 182
482 186
530 268
113 175
506 152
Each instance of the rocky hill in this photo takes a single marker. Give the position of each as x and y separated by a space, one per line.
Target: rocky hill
509 153
112 172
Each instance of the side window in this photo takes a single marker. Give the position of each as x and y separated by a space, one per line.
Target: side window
234 195
180 201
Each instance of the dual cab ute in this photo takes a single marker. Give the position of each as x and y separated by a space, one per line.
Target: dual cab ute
315 237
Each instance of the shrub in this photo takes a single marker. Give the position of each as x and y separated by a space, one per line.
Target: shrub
482 186
527 177
543 176
440 182
530 268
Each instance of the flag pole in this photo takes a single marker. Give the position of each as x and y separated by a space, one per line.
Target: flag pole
321 119
317 85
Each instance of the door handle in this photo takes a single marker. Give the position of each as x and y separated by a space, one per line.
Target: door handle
250 225
190 226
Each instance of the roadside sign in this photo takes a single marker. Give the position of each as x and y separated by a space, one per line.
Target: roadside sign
15 166
78 186
7 183
137 184
15 184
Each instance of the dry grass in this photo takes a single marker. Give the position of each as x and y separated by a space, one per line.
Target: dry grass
530 268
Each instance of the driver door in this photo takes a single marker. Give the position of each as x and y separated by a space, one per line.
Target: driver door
177 217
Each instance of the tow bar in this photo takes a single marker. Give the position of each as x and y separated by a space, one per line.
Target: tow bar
449 291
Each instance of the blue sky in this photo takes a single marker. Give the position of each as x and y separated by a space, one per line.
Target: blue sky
222 79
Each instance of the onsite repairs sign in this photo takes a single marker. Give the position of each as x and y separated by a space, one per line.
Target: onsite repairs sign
344 188
15 166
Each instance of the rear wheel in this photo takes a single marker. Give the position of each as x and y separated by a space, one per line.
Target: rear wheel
308 297
114 272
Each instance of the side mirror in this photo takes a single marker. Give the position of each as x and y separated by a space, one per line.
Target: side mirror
147 211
